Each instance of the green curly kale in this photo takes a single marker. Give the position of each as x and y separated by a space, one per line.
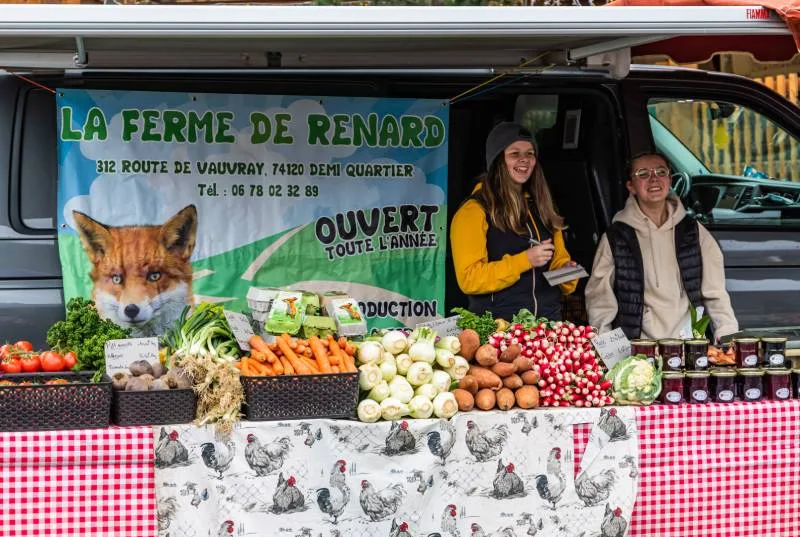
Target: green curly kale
483 325
85 333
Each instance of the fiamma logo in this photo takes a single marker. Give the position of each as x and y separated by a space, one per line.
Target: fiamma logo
758 14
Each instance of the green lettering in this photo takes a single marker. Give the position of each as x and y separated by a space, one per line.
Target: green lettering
67 133
389 135
174 125
412 129
261 128
149 117
340 122
282 129
129 125
223 126
95 125
318 125
363 132
436 131
204 123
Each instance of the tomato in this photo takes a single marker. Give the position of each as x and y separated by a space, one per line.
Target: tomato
5 350
11 366
52 362
70 359
31 363
24 345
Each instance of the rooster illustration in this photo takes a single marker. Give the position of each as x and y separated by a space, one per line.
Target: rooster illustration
596 489
613 524
333 500
448 525
226 529
311 436
287 498
487 445
291 308
528 426
400 439
401 530
351 311
476 531
380 505
441 442
197 497
612 425
551 485
424 482
506 483
534 527
169 451
265 459
218 456
165 512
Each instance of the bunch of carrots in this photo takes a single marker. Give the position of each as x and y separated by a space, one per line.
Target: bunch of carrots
290 356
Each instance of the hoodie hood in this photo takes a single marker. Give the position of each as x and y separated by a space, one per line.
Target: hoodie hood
632 215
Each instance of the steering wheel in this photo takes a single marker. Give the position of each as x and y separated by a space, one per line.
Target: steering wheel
681 184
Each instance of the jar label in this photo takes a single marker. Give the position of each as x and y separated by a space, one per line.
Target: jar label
700 395
752 393
776 359
674 362
674 397
725 395
701 361
782 393
750 359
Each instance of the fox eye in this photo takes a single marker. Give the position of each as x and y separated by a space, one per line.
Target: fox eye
153 276
116 279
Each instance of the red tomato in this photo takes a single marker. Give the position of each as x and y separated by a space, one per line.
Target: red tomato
5 350
24 345
11 367
52 362
31 364
70 359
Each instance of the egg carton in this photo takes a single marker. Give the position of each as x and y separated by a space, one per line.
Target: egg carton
260 301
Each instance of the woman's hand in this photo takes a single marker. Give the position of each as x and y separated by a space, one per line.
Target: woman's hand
542 254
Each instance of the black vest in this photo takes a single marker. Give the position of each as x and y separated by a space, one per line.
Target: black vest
504 304
629 271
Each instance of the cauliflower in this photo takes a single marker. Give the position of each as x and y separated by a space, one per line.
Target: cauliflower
635 381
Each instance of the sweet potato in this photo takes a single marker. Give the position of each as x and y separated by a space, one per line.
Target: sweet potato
465 400
511 352
486 377
505 399
486 355
513 382
470 384
503 369
523 364
485 400
530 378
470 341
527 397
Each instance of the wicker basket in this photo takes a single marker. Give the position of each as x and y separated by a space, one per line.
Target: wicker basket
41 407
301 396
159 407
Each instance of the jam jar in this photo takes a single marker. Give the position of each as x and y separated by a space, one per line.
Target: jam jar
723 385
796 382
671 352
696 387
696 354
779 384
746 350
671 388
751 383
773 350
646 347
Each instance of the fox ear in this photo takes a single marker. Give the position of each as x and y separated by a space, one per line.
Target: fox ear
179 233
94 235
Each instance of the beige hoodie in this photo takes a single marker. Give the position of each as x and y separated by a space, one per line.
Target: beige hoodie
666 305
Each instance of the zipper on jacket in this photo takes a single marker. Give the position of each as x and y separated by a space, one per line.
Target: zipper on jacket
533 272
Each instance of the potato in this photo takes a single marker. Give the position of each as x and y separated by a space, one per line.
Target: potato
120 380
158 384
530 378
465 400
141 367
469 384
158 369
513 382
485 400
139 384
486 377
486 355
511 352
505 399
523 364
470 341
502 369
527 397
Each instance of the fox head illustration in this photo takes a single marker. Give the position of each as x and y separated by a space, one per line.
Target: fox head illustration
141 275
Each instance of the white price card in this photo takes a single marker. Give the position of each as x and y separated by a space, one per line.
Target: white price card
444 327
612 347
241 328
121 353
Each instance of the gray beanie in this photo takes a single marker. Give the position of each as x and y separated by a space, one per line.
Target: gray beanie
503 135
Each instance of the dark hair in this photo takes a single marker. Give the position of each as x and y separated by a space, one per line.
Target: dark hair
637 156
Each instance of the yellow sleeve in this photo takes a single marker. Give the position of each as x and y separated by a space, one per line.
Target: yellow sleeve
474 273
560 258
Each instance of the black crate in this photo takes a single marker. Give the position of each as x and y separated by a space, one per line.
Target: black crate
158 407
42 407
300 396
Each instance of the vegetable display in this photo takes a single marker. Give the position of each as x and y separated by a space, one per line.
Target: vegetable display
290 356
635 381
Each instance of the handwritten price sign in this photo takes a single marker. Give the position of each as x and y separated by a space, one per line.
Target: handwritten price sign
612 347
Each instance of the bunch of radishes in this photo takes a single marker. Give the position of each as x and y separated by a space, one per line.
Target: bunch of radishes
563 355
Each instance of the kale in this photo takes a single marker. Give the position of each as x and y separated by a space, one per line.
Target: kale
483 325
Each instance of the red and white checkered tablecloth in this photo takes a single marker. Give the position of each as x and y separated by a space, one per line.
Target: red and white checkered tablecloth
87 483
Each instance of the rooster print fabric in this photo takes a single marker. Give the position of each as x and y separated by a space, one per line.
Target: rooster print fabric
500 474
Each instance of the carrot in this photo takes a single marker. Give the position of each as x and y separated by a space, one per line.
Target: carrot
297 364
334 369
238 365
277 366
256 355
273 347
334 360
287 367
350 350
347 365
320 355
242 365
312 365
258 343
342 342
301 348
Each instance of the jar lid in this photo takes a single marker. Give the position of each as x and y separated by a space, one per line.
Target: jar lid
697 342
697 374
779 371
723 372
796 370
774 339
677 374
670 342
643 342
745 340
755 372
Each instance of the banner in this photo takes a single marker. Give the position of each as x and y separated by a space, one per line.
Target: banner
165 198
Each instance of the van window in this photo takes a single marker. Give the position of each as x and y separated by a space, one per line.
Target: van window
736 166
38 159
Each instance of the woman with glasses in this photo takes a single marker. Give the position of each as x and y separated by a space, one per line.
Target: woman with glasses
508 233
655 262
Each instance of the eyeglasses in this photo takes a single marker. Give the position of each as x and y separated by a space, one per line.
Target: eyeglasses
519 155
648 173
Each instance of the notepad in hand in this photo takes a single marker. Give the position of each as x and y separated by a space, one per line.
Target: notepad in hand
565 274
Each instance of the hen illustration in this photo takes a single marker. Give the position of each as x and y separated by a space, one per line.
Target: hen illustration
165 512
476 531
311 436
400 440
551 485
528 426
401 530
612 425
169 450
487 445
218 456
440 443
629 461
265 459
533 526
448 525
379 505
197 497
333 500
506 483
286 497
596 489
613 524
226 529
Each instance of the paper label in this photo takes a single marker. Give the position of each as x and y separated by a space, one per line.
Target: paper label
612 346
674 397
726 395
776 359
782 393
674 362
750 360
121 353
241 328
752 394
444 327
701 362
700 395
